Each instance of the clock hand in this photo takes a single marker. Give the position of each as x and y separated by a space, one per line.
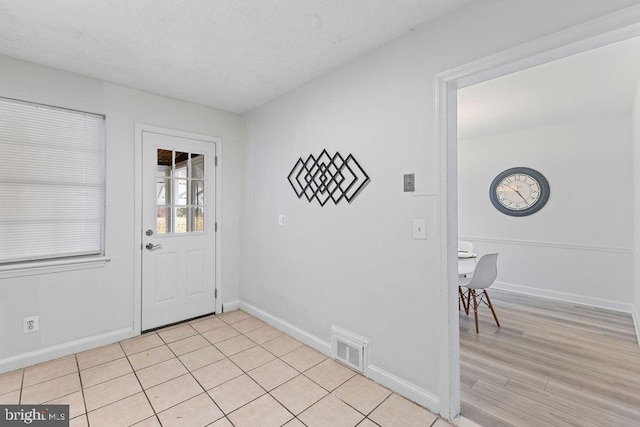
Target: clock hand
516 190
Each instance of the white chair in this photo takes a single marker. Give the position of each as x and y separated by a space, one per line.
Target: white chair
484 275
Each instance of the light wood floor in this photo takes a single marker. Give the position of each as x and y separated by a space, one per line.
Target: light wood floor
550 364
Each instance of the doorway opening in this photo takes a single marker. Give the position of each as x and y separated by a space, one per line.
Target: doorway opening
598 33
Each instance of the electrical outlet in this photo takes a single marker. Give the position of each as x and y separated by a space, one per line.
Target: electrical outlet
282 220
30 324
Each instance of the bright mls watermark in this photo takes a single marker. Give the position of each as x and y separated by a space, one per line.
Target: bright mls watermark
34 415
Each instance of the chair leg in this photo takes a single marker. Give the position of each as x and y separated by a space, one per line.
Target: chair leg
468 301
461 300
475 308
491 307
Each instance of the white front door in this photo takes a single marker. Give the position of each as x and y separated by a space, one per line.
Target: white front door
178 229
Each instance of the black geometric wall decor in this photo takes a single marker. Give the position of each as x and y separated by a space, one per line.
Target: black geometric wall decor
328 178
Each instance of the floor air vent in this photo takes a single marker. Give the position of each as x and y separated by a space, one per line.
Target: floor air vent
348 348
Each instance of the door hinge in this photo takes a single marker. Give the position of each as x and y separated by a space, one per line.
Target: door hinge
216 161
215 227
215 294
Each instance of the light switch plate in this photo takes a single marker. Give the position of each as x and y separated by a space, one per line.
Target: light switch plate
420 229
409 180
282 220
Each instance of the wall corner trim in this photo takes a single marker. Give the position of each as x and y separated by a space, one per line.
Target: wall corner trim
60 350
230 306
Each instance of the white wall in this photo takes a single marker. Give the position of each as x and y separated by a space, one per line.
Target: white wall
356 266
635 117
578 246
84 308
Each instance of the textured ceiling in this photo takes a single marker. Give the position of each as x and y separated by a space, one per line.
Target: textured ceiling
230 54
595 83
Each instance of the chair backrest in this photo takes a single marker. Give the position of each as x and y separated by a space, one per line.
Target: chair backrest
485 273
465 246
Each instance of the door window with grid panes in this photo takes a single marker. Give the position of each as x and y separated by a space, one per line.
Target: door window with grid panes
180 184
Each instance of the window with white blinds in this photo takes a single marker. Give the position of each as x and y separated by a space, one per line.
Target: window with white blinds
52 182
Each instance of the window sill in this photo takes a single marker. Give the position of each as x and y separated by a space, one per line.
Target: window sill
53 266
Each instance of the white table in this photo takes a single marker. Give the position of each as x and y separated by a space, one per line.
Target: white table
466 267
466 263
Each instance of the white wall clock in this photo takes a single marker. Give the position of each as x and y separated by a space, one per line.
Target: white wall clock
519 191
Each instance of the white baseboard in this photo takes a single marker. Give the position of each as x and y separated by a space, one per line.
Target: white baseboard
461 421
566 297
299 334
404 388
387 379
636 321
60 350
230 306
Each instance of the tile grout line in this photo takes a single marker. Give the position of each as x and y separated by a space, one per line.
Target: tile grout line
227 358
266 392
84 402
143 390
226 416
42 364
299 374
189 372
378 405
371 421
329 392
21 386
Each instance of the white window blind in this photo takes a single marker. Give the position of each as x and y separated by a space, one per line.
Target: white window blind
52 182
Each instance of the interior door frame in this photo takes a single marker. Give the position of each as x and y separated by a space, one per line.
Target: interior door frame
139 129
611 28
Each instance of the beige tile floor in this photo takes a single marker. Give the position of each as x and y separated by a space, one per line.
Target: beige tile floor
225 370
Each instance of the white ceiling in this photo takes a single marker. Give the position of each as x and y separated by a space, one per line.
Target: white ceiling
594 83
230 54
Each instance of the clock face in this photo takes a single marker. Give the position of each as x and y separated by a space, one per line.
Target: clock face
519 191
